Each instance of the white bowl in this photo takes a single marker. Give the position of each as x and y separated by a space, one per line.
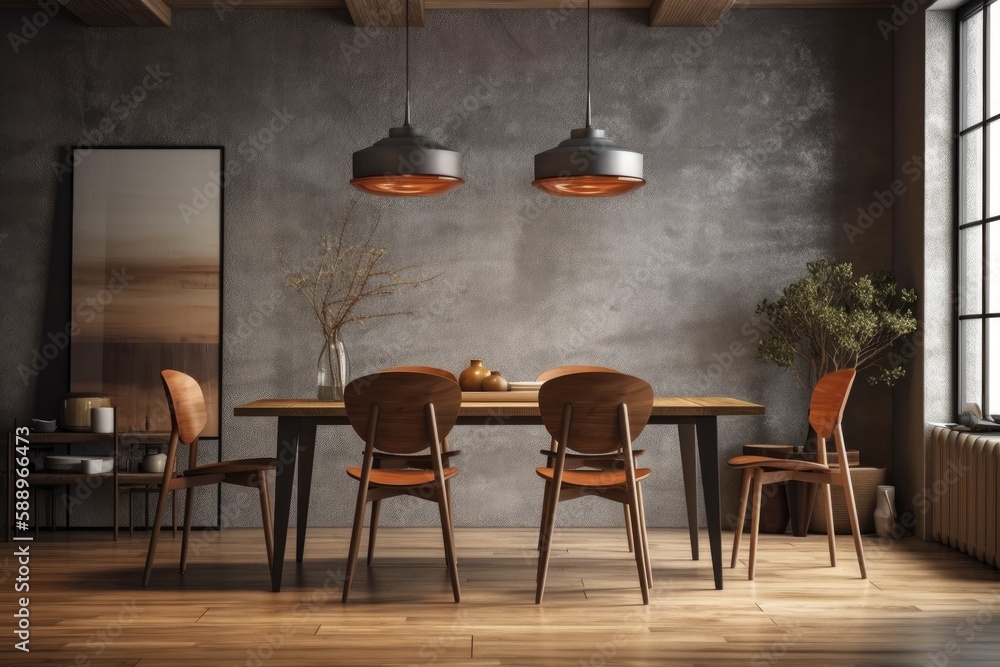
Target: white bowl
100 465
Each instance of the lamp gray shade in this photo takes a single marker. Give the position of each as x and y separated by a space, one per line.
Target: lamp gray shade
588 153
407 151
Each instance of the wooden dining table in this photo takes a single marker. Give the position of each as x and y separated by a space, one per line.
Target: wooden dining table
298 419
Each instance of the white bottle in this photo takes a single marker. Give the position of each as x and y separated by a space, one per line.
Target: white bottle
885 511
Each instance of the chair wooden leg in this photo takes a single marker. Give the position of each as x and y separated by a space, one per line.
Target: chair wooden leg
640 560
758 486
352 556
151 553
265 513
545 514
549 530
373 529
741 515
852 512
188 517
645 536
830 533
448 533
548 526
173 511
628 529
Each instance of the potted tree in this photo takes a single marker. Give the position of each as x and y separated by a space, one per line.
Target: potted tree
830 320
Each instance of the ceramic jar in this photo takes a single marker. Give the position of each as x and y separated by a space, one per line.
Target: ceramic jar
495 382
154 462
472 377
74 410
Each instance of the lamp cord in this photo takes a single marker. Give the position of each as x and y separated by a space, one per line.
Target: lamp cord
406 118
588 63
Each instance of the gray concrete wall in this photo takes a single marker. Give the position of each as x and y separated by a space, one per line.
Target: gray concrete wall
924 247
762 139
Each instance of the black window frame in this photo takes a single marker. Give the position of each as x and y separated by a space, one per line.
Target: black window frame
984 220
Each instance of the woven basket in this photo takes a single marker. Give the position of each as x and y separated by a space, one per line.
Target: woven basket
866 482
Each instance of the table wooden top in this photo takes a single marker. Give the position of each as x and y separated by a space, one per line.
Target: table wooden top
692 406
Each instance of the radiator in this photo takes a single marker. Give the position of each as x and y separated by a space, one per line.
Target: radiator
963 494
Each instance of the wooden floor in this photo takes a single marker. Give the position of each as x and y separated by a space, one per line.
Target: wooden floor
923 605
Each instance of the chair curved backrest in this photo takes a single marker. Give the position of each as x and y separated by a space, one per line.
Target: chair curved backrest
560 371
440 372
402 398
829 398
188 414
595 397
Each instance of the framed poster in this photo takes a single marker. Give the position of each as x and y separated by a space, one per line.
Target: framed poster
146 277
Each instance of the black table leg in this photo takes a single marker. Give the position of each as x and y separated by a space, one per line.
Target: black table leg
307 452
287 448
689 467
708 450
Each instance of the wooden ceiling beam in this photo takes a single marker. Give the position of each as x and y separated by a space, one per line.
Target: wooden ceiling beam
537 4
121 13
813 4
687 13
385 13
257 4
388 13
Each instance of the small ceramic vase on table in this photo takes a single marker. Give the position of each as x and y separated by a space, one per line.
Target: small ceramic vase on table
472 377
495 382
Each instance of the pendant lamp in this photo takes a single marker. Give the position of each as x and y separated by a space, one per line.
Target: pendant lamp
407 163
588 164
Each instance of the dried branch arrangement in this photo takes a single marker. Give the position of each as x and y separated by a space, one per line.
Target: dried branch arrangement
345 275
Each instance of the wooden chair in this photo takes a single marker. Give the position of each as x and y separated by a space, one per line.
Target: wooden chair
826 410
403 413
390 461
187 418
573 460
595 414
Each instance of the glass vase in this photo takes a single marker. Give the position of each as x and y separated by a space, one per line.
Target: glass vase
332 371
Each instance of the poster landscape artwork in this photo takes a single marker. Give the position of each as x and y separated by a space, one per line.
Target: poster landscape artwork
146 278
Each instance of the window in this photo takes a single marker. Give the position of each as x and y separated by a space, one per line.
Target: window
979 204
